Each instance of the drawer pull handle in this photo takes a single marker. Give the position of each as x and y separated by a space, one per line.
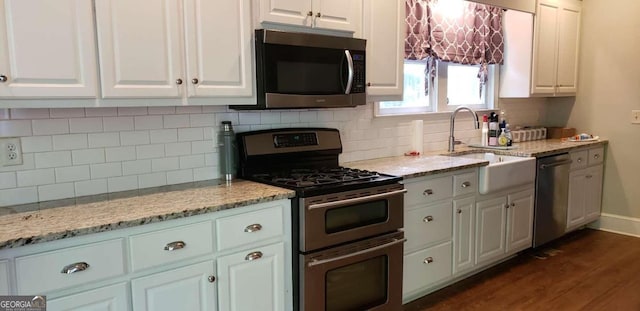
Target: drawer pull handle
253 256
428 219
589 176
253 228
466 184
427 192
175 246
428 260
75 267
596 156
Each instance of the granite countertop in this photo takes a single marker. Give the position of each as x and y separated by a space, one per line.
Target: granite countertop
537 148
50 224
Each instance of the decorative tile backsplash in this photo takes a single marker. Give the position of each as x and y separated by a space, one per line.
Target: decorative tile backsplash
72 152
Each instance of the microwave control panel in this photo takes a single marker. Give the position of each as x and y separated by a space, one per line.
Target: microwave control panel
358 74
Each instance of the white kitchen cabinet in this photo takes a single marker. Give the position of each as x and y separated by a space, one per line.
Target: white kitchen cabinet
425 268
556 47
252 279
520 220
490 229
383 28
321 14
4 277
176 49
108 298
585 187
47 49
427 225
190 288
463 234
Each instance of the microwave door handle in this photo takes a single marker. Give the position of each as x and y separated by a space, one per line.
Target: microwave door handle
350 68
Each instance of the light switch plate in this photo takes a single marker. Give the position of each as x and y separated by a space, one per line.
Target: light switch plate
635 116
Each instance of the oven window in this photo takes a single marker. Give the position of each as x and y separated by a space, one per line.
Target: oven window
354 216
359 286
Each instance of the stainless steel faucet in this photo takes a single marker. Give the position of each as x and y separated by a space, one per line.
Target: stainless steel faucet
452 140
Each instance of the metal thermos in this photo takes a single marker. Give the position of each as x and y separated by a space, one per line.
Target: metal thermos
227 143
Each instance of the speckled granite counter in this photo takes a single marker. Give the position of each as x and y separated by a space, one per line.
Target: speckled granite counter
80 219
537 148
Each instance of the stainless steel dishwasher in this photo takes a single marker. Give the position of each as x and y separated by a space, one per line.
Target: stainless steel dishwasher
552 198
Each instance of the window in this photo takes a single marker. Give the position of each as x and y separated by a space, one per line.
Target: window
455 85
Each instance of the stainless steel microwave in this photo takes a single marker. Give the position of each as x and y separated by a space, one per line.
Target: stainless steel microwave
302 70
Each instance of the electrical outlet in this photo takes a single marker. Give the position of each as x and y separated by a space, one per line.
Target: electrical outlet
635 116
10 151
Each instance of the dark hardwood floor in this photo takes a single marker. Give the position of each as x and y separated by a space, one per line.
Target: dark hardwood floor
588 270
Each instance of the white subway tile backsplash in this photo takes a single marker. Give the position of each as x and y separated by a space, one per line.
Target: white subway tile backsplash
119 154
325 115
178 177
149 151
53 159
188 109
134 138
190 134
165 164
163 136
210 109
176 121
123 183
118 124
59 113
103 170
152 180
10 128
8 180
36 144
249 118
90 187
178 149
161 110
4 113
101 112
270 117
132 111
70 142
87 156
136 167
28 163
29 113
50 126
72 173
226 116
147 122
209 133
211 159
17 196
97 140
202 120
56 192
192 161
85 125
203 146
205 173
308 116
290 117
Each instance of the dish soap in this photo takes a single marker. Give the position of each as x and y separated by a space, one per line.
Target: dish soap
502 139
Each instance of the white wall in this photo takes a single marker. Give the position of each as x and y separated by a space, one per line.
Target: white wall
75 152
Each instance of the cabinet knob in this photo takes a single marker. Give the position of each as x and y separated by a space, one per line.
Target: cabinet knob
579 160
596 156
318 14
253 228
428 260
3 78
75 267
466 184
368 83
427 192
506 206
195 81
428 219
175 246
211 279
309 13
459 211
253 256
178 81
513 204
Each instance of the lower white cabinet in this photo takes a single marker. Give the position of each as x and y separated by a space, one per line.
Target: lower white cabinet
108 298
520 220
463 234
585 187
252 279
191 288
426 268
4 277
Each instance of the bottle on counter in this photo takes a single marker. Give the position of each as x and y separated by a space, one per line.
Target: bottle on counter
228 152
484 140
502 139
507 133
493 129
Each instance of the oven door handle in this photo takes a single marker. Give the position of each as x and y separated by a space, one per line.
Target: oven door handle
358 253
356 200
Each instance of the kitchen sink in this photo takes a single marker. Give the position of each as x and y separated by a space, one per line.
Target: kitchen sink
503 171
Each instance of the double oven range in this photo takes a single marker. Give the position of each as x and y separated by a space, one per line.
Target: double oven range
347 243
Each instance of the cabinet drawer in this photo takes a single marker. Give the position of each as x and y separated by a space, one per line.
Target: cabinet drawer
579 159
427 225
43 273
428 191
426 268
465 183
596 156
247 228
162 247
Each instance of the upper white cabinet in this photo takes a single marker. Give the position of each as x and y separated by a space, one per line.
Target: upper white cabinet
322 14
194 48
384 31
47 49
555 47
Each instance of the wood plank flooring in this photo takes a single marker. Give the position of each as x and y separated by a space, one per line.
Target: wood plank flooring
589 270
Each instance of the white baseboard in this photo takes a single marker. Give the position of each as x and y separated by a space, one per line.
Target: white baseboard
618 224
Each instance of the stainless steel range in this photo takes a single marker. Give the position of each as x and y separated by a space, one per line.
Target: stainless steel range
346 238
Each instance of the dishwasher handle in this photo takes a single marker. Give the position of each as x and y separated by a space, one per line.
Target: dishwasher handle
554 164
